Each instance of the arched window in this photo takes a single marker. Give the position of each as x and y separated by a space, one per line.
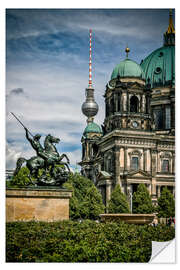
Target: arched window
168 117
134 104
158 118
165 165
119 102
108 164
112 105
134 163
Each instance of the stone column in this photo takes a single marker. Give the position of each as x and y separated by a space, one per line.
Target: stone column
149 188
129 194
148 161
159 191
124 95
108 192
143 104
159 161
154 162
125 158
173 163
154 187
121 158
115 102
87 150
117 167
141 161
144 160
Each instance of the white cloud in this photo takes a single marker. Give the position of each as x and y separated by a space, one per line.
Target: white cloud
11 157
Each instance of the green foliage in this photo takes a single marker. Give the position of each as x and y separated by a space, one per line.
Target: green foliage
21 179
142 203
92 203
166 204
86 201
69 241
118 202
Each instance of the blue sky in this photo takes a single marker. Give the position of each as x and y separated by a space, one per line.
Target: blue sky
47 53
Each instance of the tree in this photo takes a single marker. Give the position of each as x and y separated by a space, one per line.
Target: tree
118 202
142 203
92 205
86 201
166 204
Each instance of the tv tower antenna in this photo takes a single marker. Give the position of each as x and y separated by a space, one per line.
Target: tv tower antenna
90 59
90 107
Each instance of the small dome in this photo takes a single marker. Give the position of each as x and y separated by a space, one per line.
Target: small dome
127 68
92 128
159 66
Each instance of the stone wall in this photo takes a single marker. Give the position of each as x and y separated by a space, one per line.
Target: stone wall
37 204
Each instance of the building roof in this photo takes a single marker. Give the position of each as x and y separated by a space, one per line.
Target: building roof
92 128
159 66
127 68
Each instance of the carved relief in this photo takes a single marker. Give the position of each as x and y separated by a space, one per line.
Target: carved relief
135 153
166 155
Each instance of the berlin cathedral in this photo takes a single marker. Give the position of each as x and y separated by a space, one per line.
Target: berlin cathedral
136 142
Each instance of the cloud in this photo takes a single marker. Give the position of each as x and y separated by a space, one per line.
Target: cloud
11 157
17 91
118 22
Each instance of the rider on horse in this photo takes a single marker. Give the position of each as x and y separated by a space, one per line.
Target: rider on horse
36 145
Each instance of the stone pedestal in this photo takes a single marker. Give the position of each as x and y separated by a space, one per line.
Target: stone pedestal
38 204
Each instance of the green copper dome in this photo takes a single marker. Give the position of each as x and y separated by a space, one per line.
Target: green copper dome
159 66
127 68
92 128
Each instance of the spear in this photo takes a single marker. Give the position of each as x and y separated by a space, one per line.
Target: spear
22 124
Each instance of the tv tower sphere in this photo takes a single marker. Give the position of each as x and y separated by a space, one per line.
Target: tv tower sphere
90 107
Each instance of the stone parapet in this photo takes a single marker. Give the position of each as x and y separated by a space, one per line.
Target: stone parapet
38 204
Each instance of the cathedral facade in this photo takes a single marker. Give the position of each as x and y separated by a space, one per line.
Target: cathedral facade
136 143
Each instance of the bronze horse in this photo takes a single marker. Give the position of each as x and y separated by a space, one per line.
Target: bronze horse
39 162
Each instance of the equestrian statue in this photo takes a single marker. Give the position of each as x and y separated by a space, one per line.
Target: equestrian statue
47 158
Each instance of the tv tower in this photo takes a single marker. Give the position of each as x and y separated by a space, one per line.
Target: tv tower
90 107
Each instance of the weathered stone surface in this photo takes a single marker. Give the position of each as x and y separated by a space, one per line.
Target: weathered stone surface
37 204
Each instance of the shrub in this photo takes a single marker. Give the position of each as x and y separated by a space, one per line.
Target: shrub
142 203
118 202
21 179
69 241
86 201
166 204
